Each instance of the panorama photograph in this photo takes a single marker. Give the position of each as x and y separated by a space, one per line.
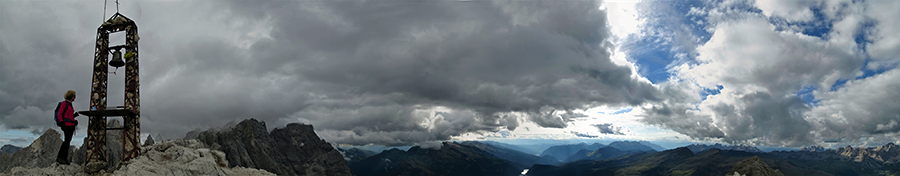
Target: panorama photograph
450 87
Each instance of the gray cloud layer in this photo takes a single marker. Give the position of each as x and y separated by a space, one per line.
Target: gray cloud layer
762 66
386 72
608 128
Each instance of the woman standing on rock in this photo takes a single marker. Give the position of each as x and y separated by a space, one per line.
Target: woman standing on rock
65 119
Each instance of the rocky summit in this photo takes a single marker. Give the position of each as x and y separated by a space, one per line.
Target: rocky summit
753 167
178 157
292 150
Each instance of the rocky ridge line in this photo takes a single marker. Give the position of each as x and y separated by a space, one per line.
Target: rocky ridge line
292 150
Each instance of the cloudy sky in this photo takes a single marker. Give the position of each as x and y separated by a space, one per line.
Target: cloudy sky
406 72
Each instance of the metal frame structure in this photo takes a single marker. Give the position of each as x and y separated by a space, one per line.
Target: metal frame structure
130 112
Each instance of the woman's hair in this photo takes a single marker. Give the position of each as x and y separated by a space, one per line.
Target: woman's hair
70 94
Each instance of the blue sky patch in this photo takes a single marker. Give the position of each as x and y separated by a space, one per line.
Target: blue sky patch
819 27
669 37
621 111
806 94
861 42
710 91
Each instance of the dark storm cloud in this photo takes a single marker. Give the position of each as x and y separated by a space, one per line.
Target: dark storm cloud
481 60
387 72
756 118
779 119
608 128
584 135
683 121
39 61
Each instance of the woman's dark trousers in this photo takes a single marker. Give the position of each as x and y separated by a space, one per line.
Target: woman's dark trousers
63 156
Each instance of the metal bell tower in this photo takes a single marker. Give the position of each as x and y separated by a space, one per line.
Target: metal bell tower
130 112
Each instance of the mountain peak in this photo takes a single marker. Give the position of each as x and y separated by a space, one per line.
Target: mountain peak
10 149
41 153
886 147
683 150
814 148
566 151
630 145
753 167
293 149
451 159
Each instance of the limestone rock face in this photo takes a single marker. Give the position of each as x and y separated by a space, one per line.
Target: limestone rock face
888 153
292 150
41 153
80 154
53 169
753 167
183 157
4 157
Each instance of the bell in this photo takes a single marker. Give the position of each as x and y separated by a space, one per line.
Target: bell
117 59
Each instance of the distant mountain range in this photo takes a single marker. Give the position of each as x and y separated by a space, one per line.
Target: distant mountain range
632 146
450 159
813 149
353 155
518 158
608 152
629 158
679 161
698 148
881 160
535 149
481 158
562 152
9 149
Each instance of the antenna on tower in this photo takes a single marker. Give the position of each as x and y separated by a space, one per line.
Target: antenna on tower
104 11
